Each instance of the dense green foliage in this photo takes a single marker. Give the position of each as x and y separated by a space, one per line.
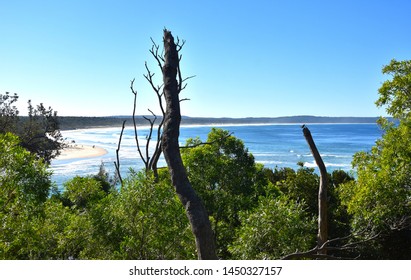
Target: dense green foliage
379 201
380 197
276 227
256 212
236 191
396 93
24 187
145 220
226 177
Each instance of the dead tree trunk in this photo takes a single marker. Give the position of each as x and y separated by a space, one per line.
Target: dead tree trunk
195 209
322 193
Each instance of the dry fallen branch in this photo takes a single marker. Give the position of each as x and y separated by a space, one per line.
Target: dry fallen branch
315 253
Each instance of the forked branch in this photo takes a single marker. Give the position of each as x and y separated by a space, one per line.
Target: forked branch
150 163
157 56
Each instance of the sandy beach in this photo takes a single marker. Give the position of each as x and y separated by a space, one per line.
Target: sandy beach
81 151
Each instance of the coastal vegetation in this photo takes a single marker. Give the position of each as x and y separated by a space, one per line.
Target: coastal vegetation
213 201
39 132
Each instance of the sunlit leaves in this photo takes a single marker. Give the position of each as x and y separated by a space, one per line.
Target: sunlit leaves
381 196
396 93
153 221
275 228
21 172
81 191
24 187
225 176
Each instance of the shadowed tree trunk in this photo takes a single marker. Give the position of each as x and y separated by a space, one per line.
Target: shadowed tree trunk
195 210
322 192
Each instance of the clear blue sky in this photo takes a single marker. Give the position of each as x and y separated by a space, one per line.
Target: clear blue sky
251 58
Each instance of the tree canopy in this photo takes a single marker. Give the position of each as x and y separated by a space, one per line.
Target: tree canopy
39 132
24 188
227 179
395 93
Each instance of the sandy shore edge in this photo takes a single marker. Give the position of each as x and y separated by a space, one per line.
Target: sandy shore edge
79 151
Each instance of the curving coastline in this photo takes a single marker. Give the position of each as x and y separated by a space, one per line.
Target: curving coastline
78 151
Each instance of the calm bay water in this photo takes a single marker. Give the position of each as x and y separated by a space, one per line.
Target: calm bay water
272 145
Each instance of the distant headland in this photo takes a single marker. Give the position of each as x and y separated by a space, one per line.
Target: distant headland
68 123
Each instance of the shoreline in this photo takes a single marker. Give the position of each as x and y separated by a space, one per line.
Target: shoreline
79 151
221 125
73 123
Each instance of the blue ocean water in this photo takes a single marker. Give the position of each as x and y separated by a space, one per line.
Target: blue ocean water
273 145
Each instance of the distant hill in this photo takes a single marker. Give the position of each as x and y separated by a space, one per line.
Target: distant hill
67 123
279 120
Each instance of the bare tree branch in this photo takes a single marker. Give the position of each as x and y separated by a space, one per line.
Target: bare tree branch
149 77
117 164
322 235
206 143
150 163
135 123
151 121
190 77
158 57
180 80
157 150
178 45
181 86
315 252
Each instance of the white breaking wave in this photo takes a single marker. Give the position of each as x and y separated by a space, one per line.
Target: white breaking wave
328 164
